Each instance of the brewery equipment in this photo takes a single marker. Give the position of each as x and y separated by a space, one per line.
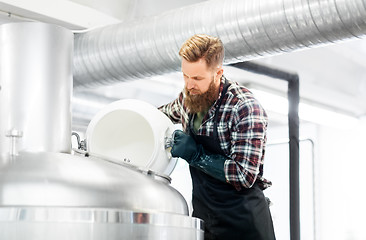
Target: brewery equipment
46 192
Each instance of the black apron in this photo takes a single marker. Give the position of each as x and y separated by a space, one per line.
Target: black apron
228 214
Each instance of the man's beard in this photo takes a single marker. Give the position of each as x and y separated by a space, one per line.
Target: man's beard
201 102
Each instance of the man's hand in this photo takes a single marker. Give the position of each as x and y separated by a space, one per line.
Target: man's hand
184 146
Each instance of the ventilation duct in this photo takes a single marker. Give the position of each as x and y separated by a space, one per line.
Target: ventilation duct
249 29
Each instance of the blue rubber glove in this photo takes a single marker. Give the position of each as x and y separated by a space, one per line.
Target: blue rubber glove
184 146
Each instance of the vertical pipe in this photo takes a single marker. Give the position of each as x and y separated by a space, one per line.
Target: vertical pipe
35 87
293 121
293 127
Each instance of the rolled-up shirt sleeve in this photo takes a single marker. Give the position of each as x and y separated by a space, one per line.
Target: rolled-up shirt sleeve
247 144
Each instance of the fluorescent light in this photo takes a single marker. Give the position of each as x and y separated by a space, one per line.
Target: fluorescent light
322 116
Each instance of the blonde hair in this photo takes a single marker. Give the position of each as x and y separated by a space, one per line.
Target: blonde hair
211 49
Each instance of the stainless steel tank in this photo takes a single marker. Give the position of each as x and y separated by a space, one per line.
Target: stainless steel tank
35 87
62 196
48 193
94 224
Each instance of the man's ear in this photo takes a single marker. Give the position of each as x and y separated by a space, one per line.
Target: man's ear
220 72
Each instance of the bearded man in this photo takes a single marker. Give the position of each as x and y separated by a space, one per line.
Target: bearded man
223 140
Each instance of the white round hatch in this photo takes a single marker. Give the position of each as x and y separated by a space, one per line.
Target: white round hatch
133 132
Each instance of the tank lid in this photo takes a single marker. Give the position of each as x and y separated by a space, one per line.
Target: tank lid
133 132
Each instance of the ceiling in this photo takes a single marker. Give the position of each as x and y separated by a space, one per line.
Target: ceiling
332 76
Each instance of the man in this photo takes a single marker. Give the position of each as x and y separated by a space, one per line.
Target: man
223 141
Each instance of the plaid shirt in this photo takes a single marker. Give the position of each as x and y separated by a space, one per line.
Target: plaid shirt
241 129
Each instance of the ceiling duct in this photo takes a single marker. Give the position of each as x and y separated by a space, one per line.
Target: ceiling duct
249 29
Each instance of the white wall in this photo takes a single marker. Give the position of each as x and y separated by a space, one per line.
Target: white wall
276 169
332 196
340 179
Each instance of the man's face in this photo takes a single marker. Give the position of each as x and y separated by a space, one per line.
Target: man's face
201 84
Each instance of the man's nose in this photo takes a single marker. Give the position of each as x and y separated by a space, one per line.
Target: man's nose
190 83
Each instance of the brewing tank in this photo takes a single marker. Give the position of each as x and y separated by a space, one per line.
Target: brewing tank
62 196
35 87
46 192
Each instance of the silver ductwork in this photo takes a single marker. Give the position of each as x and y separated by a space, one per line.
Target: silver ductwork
249 29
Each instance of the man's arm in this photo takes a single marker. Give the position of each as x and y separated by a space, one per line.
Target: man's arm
173 109
248 142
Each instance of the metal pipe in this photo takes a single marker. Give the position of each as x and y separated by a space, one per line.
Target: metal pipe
293 124
293 95
249 29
